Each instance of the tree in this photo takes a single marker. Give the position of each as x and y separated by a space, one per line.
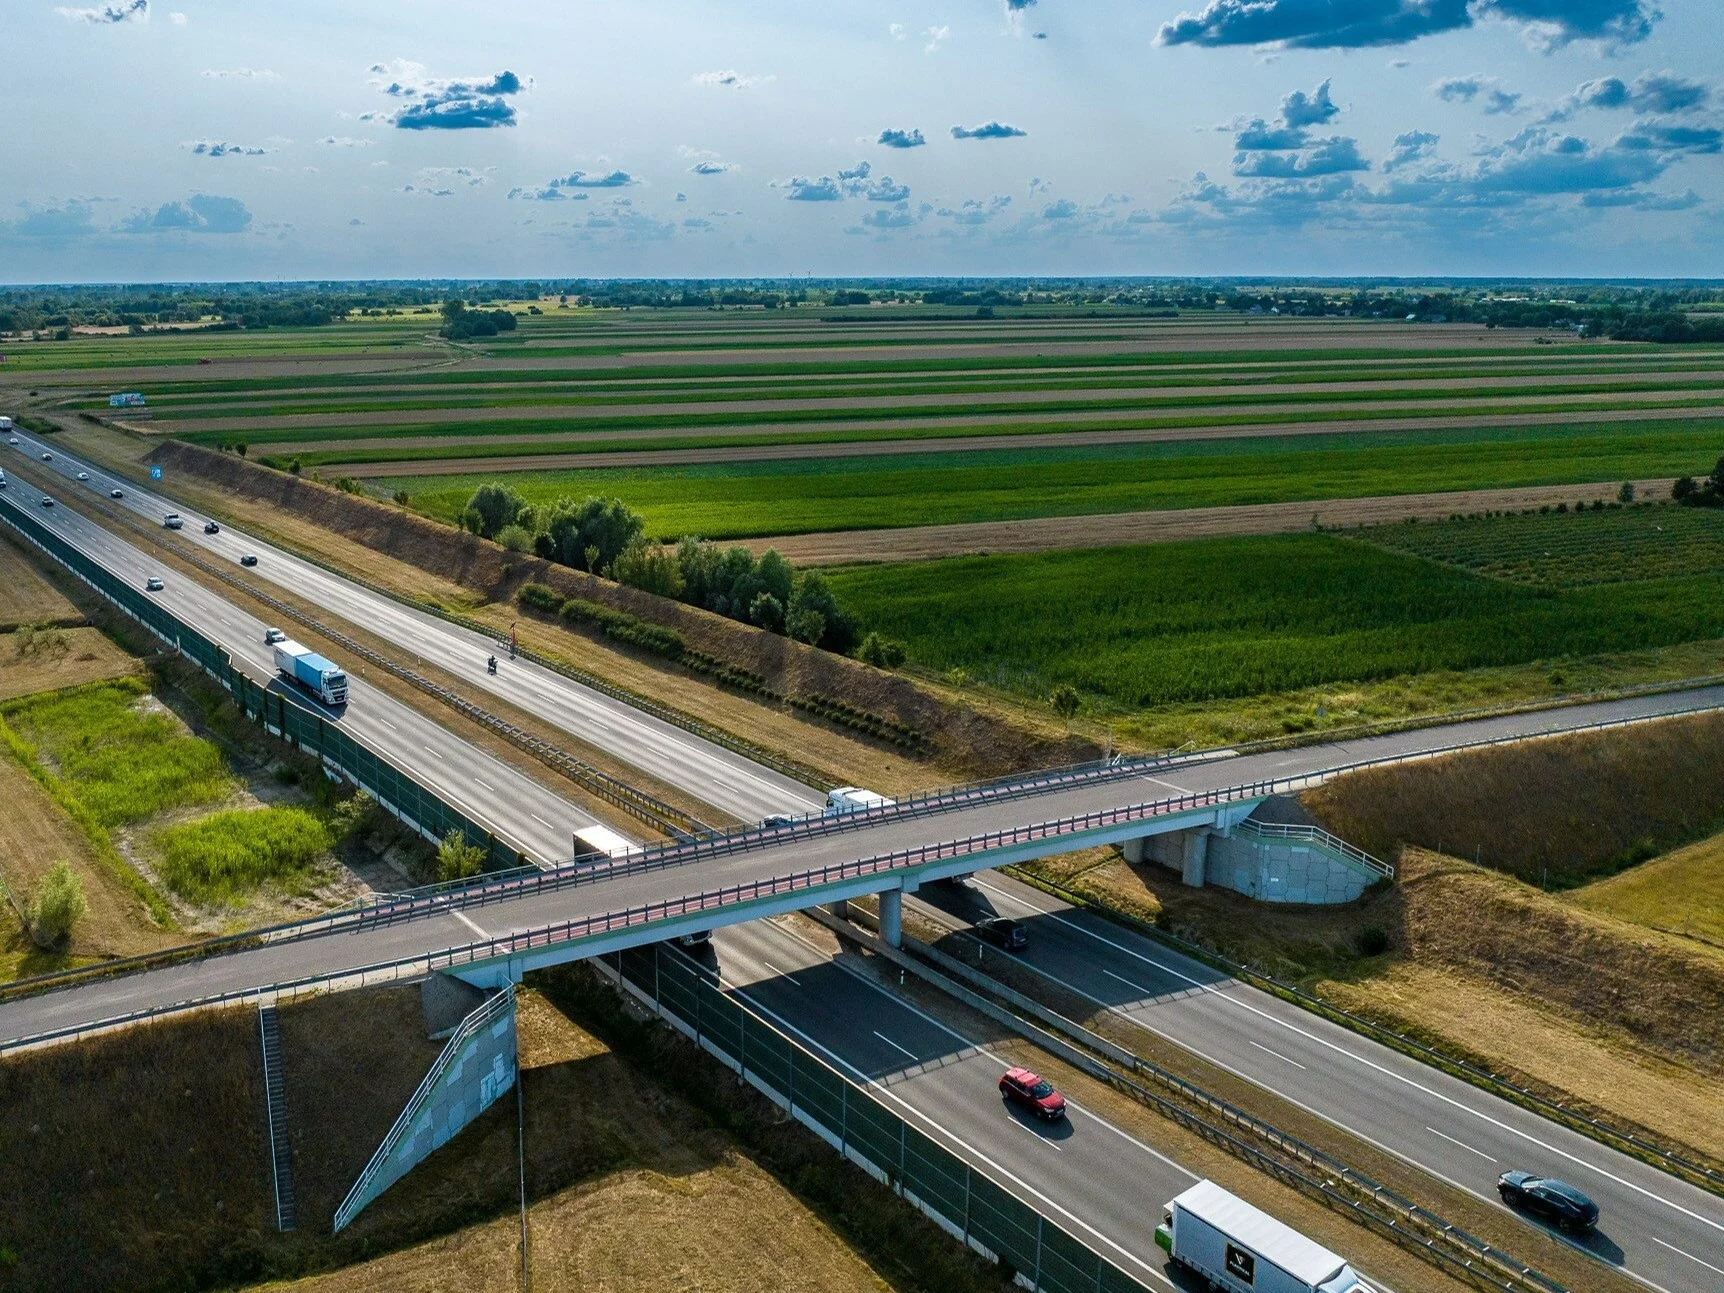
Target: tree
767 612
516 538
1065 700
882 652
593 533
58 906
497 506
1626 493
457 859
1684 489
650 568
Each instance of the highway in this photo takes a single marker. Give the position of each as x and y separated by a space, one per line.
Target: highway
1672 1237
712 773
1101 1184
1664 1232
520 809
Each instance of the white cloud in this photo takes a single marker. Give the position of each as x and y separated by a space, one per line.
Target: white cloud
241 73
732 79
937 36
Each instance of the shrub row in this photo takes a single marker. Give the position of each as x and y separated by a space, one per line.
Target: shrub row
669 644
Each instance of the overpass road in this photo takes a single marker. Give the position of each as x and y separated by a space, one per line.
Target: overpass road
1661 1230
713 774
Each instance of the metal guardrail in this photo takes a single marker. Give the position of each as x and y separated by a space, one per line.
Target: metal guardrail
1315 835
613 790
1471 1248
1597 1129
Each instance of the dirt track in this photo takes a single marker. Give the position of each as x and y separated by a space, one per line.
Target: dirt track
959 444
1046 534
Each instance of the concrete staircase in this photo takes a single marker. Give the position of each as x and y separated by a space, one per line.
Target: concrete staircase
275 1088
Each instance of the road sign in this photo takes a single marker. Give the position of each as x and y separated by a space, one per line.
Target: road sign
155 473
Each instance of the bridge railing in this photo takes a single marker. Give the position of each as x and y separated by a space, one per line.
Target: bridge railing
1315 835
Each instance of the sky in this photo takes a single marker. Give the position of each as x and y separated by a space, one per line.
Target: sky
166 140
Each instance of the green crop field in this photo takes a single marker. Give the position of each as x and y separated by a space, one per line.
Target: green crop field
1223 618
1571 549
791 497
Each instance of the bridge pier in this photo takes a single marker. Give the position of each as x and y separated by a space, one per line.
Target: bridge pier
892 917
840 909
1134 850
1195 856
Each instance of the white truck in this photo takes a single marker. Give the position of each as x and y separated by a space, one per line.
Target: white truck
304 666
1240 1249
854 799
5 424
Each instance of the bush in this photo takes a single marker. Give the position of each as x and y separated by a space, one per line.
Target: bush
515 538
1373 941
882 652
457 859
1065 700
227 855
540 598
58 906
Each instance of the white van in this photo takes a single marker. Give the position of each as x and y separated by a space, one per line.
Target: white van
854 799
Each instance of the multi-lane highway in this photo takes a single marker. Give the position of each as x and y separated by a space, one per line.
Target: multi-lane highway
1669 1235
712 773
1659 1229
519 808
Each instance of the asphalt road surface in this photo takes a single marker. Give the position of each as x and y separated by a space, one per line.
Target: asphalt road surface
1658 1229
711 773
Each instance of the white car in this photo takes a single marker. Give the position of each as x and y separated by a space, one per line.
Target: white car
83 475
13 440
272 636
153 584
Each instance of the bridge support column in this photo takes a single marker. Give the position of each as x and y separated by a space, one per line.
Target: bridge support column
840 909
1196 856
1134 850
892 917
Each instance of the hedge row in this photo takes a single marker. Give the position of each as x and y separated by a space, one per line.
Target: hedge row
669 644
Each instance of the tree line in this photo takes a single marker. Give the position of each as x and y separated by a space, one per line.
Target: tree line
604 537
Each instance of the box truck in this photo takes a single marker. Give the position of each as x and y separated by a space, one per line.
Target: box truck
1223 1239
318 676
851 799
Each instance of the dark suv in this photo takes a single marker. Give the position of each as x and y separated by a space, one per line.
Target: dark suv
1554 1201
1003 932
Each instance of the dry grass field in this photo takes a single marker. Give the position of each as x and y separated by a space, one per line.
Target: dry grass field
1680 893
26 597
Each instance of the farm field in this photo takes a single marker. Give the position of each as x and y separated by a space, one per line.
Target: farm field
739 500
1233 617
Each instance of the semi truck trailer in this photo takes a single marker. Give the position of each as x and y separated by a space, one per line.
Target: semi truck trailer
1221 1238
320 677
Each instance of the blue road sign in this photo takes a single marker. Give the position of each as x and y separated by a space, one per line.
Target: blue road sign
155 473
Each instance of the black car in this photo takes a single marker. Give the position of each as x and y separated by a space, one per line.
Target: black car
210 527
249 559
1003 932
1554 1201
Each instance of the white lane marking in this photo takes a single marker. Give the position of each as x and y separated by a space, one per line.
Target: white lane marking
387 723
1690 1256
1135 987
1178 789
1277 1054
980 1049
976 1155
1052 1144
483 786
465 920
429 750
1463 1144
894 1045
1371 1064
786 976
541 821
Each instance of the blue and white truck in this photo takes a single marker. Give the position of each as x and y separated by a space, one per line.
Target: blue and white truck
322 678
1221 1238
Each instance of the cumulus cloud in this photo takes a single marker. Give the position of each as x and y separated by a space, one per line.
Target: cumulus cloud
975 211
429 103
898 217
345 141
1650 92
885 189
240 73
1351 24
901 138
1287 150
711 167
1331 156
896 30
988 130
200 213
731 79
1414 146
1314 109
1671 137
1064 209
446 181
570 186
108 14
220 148
799 188
70 220
1644 201
937 36
1465 89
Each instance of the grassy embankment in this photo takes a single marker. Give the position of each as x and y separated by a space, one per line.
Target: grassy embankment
149 1146
1607 993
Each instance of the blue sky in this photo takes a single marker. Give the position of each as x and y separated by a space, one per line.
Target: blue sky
175 139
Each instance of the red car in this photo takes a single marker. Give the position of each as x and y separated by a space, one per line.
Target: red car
1022 1087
